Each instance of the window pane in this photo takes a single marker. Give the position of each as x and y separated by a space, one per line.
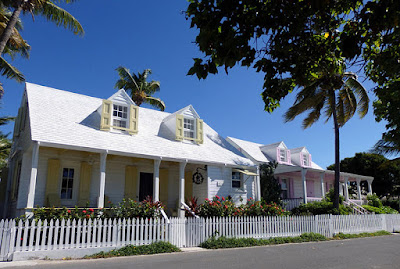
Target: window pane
283 184
235 183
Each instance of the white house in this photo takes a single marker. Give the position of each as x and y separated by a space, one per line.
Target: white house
71 149
301 179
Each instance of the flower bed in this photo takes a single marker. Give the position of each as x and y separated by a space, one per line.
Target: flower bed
225 207
128 208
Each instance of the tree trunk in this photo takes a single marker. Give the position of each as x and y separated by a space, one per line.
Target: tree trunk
337 154
5 36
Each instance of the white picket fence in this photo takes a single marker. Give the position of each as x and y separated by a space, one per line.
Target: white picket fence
31 237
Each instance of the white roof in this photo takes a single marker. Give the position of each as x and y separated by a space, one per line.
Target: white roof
253 150
68 119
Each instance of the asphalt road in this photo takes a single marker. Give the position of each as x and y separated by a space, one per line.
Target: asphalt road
363 253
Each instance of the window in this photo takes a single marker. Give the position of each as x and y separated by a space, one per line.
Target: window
236 180
67 183
305 160
120 116
284 188
188 128
17 176
282 156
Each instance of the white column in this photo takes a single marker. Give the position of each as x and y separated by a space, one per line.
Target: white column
346 188
181 212
358 180
32 181
258 184
321 178
370 186
102 185
341 188
156 180
303 177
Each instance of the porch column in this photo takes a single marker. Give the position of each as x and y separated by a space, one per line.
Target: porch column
156 180
181 212
358 188
303 177
321 178
340 188
370 186
102 185
258 184
32 181
346 188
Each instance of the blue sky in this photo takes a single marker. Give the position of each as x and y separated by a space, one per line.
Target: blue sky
156 35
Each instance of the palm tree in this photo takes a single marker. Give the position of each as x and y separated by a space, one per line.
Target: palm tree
5 143
15 45
140 90
339 96
45 8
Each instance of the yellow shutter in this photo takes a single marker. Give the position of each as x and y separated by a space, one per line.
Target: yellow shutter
84 184
164 186
17 123
199 127
133 122
106 111
179 128
188 185
53 179
131 175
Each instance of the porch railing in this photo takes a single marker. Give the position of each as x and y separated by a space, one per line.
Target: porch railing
291 203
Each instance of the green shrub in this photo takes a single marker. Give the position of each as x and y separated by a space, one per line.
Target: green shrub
395 204
224 242
330 196
223 207
128 208
381 210
130 250
321 208
373 200
348 236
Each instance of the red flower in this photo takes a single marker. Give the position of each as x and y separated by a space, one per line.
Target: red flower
91 210
216 196
223 199
88 216
226 207
69 211
83 211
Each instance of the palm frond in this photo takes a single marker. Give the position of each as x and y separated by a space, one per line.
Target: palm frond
386 147
126 81
10 71
362 95
59 16
156 102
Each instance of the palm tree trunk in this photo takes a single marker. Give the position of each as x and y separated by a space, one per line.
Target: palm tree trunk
5 36
337 154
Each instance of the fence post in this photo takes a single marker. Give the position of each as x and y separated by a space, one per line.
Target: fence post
330 226
315 224
12 241
384 226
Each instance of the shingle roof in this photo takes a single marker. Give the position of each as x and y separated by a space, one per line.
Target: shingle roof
254 150
66 118
251 148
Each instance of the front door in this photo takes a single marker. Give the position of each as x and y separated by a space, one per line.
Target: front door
310 188
146 186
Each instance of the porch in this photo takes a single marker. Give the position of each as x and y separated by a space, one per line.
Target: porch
305 185
68 177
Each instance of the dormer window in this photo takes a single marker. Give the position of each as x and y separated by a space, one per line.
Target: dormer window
305 160
282 156
189 128
120 116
